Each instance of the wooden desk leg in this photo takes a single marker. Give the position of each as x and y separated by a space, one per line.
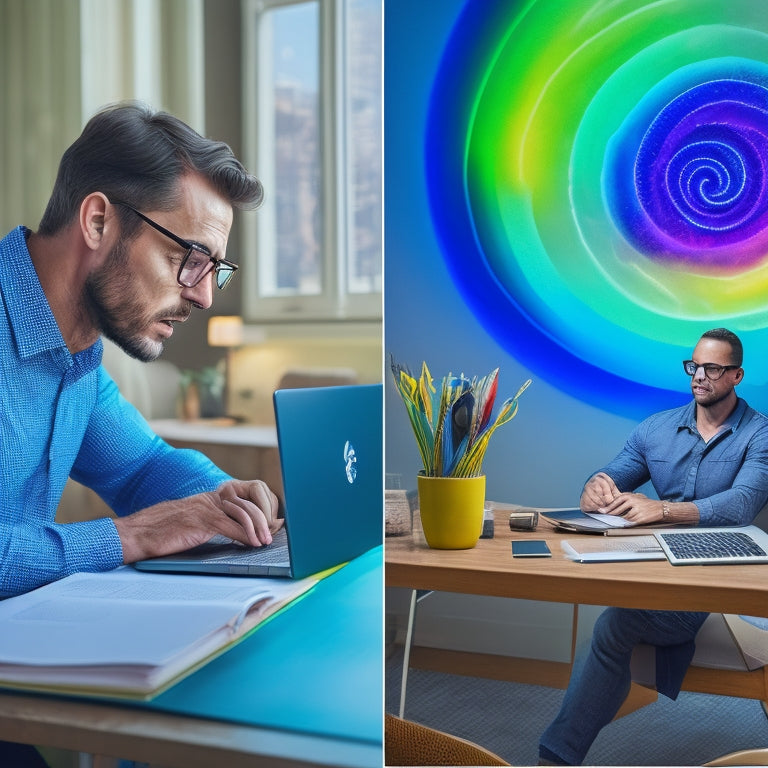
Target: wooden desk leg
574 633
407 650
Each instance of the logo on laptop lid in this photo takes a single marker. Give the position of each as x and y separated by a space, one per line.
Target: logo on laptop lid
350 462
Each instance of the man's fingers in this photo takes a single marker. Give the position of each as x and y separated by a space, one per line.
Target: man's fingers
252 531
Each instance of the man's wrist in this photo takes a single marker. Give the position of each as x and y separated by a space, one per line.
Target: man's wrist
665 511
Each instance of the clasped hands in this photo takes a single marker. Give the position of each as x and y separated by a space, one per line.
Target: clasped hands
600 494
243 510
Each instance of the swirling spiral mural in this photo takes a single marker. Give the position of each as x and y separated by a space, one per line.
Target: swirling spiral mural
598 178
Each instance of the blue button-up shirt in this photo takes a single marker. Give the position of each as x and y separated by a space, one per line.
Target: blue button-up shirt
62 415
726 478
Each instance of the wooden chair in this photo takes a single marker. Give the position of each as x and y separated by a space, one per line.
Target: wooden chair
295 378
731 659
731 656
409 743
743 757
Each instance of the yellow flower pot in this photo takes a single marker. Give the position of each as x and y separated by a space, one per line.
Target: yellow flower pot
451 510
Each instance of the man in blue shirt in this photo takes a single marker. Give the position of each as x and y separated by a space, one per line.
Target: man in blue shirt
708 463
133 238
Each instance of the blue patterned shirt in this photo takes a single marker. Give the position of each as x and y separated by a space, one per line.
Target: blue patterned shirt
727 477
62 415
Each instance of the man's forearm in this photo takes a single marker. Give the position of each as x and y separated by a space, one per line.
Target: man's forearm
38 554
679 512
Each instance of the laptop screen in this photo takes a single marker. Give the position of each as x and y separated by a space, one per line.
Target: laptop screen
330 442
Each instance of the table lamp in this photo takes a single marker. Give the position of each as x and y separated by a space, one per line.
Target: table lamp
226 331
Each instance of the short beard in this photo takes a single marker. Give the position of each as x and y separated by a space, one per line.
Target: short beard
714 401
112 302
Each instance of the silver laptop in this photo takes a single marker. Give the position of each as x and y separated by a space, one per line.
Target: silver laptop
715 546
330 442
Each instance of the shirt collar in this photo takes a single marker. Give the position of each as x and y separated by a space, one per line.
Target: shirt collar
688 417
32 323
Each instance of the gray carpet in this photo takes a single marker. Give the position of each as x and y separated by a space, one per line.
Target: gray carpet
507 718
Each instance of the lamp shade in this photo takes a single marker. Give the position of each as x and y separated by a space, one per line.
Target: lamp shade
225 331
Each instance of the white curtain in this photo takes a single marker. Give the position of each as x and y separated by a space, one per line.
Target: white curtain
40 101
61 60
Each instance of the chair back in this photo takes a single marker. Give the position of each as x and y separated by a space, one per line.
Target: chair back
295 378
761 521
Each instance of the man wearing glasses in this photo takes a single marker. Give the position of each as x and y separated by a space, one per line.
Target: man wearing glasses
708 463
132 240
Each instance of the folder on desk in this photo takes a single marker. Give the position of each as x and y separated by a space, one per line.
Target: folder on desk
612 550
573 520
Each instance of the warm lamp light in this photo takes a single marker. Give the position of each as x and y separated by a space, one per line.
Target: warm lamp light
225 331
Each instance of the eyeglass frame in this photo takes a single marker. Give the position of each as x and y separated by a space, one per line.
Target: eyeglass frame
710 366
189 247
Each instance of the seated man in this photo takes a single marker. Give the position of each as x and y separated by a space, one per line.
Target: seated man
133 238
708 463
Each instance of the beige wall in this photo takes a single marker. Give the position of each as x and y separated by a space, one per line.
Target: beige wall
256 370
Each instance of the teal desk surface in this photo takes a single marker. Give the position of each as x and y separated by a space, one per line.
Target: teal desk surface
316 668
305 688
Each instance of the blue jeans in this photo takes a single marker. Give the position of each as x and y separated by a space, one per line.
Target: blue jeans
600 681
14 755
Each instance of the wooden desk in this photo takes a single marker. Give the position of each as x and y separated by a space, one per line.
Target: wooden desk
490 569
168 740
245 451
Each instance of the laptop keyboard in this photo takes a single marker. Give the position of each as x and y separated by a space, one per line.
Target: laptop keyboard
275 553
711 544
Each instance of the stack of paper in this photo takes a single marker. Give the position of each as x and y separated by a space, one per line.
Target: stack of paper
590 549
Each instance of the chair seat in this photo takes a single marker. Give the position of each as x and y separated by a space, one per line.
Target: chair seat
409 743
715 649
743 757
751 639
730 659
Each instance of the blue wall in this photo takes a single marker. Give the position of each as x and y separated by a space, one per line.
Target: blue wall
594 375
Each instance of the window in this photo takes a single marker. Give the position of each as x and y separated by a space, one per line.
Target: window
313 135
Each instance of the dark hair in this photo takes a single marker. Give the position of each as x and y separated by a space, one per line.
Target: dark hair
136 155
723 334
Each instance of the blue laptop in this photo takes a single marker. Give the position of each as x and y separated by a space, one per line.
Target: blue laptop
330 442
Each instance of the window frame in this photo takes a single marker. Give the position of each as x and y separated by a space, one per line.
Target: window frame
334 303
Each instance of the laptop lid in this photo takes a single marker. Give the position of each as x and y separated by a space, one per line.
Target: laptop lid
715 546
330 444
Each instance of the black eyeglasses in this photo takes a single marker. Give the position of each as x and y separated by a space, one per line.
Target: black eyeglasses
711 370
197 262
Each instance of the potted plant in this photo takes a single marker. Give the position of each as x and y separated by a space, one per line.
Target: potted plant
452 425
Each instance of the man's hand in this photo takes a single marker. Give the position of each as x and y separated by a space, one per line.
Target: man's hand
254 506
640 510
636 508
599 491
245 511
